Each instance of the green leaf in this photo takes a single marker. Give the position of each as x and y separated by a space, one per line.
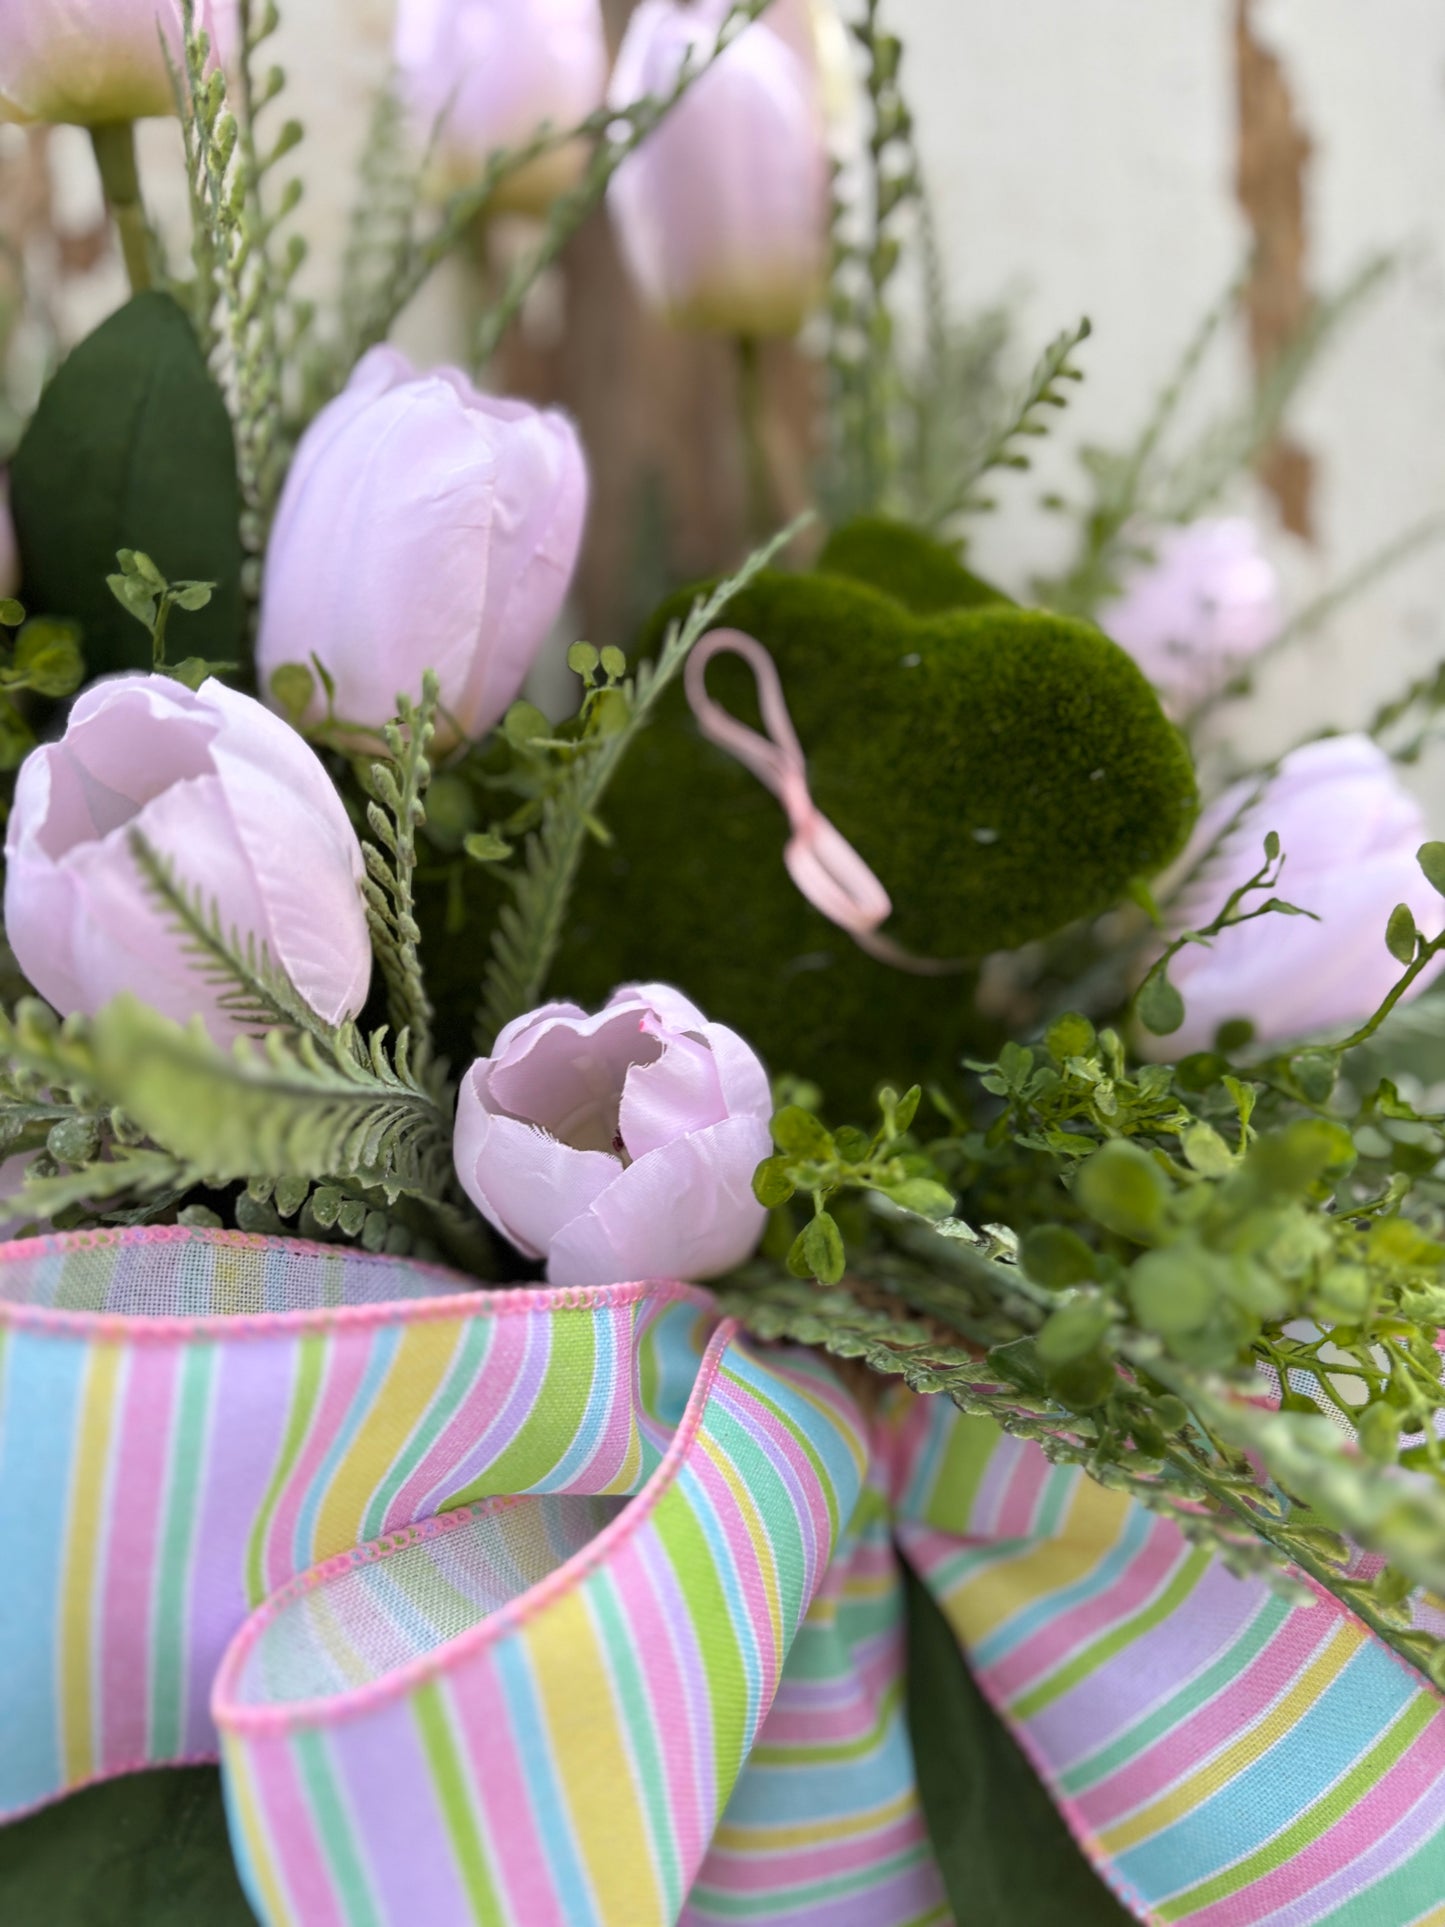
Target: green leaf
1002 1847
1159 1005
1123 1189
1055 1257
1400 933
1431 858
923 1195
798 1133
1206 1151
823 1249
149 1847
1072 1331
131 445
293 685
771 1184
486 846
1175 1290
48 659
1069 1036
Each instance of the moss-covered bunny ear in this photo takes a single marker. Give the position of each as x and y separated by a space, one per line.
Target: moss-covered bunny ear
1002 771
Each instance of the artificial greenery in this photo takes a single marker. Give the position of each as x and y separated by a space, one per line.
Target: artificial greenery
1108 1258
953 752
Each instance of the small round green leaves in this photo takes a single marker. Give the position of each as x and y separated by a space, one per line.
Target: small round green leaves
1431 858
1124 1189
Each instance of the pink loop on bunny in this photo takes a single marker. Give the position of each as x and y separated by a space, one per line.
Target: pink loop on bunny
821 861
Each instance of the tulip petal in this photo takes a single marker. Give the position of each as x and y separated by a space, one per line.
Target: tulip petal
568 1076
524 1183
678 1093
686 1211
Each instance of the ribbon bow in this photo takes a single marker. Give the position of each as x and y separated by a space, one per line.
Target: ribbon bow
575 1609
821 861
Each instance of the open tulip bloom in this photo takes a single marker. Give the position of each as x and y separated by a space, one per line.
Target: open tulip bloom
802 1284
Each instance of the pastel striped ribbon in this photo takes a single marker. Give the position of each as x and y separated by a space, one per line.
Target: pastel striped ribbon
539 1608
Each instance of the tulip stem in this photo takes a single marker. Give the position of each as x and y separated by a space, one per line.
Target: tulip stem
114 144
761 507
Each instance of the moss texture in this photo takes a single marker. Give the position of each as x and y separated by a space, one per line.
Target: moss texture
1002 771
924 575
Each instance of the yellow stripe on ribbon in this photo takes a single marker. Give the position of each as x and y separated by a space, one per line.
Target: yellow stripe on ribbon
585 1729
423 1359
82 1553
817 1833
988 1599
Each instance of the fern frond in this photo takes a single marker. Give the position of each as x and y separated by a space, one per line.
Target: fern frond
282 1109
254 991
529 929
1046 388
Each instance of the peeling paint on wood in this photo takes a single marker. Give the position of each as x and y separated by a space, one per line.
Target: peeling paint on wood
1272 166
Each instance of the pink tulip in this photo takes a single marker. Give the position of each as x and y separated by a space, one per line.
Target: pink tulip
1349 833
621 1146
424 525
1190 618
478 76
723 212
9 547
92 61
234 801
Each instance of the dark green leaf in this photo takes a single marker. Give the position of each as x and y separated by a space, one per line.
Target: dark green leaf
1072 1331
1006 1856
131 445
151 1848
1055 1257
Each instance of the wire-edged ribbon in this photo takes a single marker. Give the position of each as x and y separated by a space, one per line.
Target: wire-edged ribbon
821 861
577 1609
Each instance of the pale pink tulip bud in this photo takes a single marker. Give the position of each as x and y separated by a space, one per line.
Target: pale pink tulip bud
9 547
424 525
93 61
723 212
478 76
233 801
1349 832
618 1147
1194 615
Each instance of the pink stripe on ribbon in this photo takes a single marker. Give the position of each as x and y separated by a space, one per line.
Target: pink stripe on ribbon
819 858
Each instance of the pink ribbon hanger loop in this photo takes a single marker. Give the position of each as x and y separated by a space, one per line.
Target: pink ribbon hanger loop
821 861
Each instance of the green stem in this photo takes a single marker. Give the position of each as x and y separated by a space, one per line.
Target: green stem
762 519
114 144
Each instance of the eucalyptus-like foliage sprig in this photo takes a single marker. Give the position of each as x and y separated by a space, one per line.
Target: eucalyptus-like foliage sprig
1188 1238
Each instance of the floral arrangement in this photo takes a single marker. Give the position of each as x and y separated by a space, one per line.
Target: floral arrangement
1098 1107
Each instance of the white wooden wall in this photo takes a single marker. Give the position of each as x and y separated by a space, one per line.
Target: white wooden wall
1082 153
